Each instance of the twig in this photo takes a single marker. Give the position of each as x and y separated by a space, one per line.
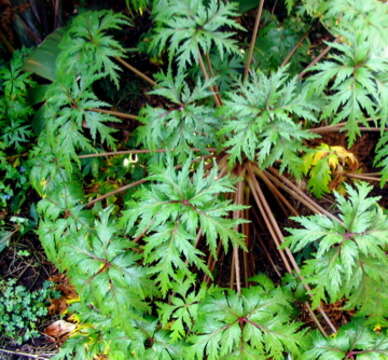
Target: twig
22 353
253 40
117 191
116 113
136 71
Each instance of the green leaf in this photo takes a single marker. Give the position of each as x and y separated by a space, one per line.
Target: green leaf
354 339
42 60
349 251
187 28
236 326
261 121
175 212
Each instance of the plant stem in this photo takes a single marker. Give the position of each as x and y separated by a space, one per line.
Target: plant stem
254 188
363 177
7 44
315 61
336 127
293 50
135 71
117 191
277 193
278 238
253 40
22 353
143 151
236 215
298 194
207 78
115 113
216 89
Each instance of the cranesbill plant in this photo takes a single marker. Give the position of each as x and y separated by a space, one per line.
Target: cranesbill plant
167 269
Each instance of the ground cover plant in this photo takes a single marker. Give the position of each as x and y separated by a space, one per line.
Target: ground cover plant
223 220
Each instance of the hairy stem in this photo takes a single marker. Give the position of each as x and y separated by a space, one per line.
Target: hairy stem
253 40
236 215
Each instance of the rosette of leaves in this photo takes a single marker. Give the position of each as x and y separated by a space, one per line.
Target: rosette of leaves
350 254
262 121
256 324
325 165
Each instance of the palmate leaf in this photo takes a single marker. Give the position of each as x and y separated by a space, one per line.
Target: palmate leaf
356 90
353 341
255 324
324 162
68 112
172 212
187 124
86 48
106 273
261 123
369 17
348 252
188 27
180 313
381 158
14 106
